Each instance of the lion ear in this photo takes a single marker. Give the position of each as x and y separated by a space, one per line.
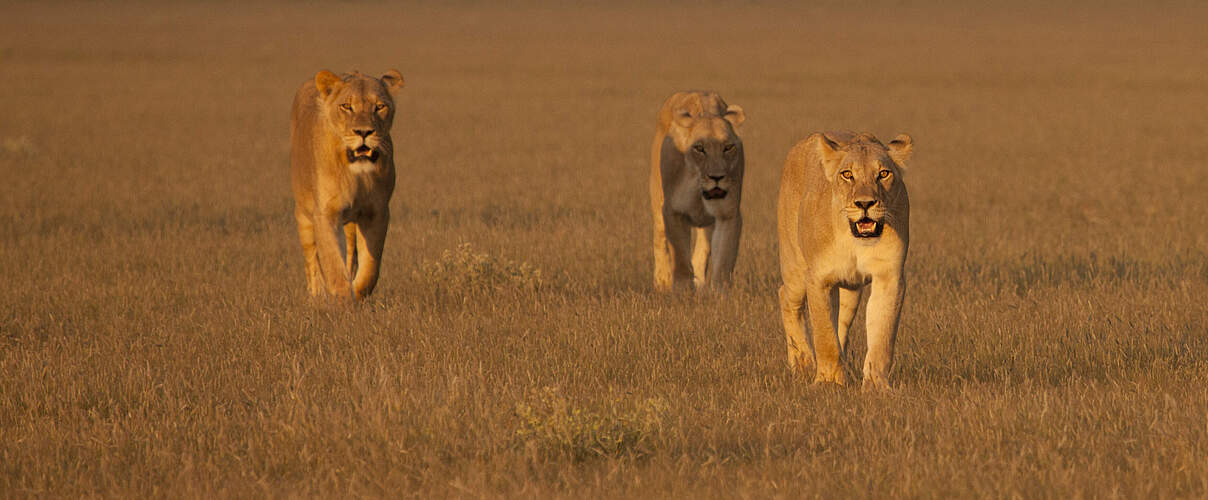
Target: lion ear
735 115
827 152
327 82
900 148
393 80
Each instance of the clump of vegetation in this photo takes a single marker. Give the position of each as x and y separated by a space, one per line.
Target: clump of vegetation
551 427
20 145
462 271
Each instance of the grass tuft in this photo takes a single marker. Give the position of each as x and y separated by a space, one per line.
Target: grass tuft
18 145
462 271
553 427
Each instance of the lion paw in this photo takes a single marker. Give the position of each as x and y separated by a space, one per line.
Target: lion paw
832 376
875 384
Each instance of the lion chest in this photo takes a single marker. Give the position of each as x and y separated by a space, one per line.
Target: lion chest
356 195
853 263
681 196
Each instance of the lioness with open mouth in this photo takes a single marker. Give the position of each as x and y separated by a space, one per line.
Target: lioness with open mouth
844 224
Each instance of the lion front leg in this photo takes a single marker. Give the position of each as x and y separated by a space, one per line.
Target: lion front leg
822 302
329 236
371 239
306 235
882 314
726 236
679 235
801 355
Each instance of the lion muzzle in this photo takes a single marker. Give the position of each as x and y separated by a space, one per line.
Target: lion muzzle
866 227
362 153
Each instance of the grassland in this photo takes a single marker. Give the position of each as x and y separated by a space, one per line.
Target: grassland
156 341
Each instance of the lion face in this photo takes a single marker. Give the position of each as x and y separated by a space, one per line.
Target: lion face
864 184
714 151
718 161
361 110
865 176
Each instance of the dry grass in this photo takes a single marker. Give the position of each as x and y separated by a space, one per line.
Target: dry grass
155 339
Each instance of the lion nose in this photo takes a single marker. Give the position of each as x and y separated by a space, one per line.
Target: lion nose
717 178
865 204
363 132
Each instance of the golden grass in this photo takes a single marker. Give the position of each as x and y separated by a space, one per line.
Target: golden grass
155 337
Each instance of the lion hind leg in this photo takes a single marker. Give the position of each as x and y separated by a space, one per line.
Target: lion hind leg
662 254
350 243
849 301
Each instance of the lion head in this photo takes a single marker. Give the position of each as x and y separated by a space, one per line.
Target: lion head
865 178
705 132
360 109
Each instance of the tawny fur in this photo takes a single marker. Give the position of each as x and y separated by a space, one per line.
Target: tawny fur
824 265
342 205
696 149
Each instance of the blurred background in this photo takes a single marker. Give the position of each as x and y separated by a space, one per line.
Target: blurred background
155 336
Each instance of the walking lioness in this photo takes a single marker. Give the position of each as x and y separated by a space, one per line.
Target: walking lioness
844 220
695 187
342 171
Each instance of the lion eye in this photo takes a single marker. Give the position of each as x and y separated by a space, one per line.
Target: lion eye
380 107
698 148
729 148
346 107
846 175
884 174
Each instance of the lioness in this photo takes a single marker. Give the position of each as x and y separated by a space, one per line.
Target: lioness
342 172
844 222
696 186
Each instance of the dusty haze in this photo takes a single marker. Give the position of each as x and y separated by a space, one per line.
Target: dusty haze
156 338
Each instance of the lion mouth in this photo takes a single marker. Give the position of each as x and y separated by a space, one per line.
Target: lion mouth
362 153
714 194
866 228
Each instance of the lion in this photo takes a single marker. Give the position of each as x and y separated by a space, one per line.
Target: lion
843 217
342 173
696 171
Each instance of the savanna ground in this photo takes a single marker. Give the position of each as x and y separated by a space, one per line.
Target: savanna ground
156 340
